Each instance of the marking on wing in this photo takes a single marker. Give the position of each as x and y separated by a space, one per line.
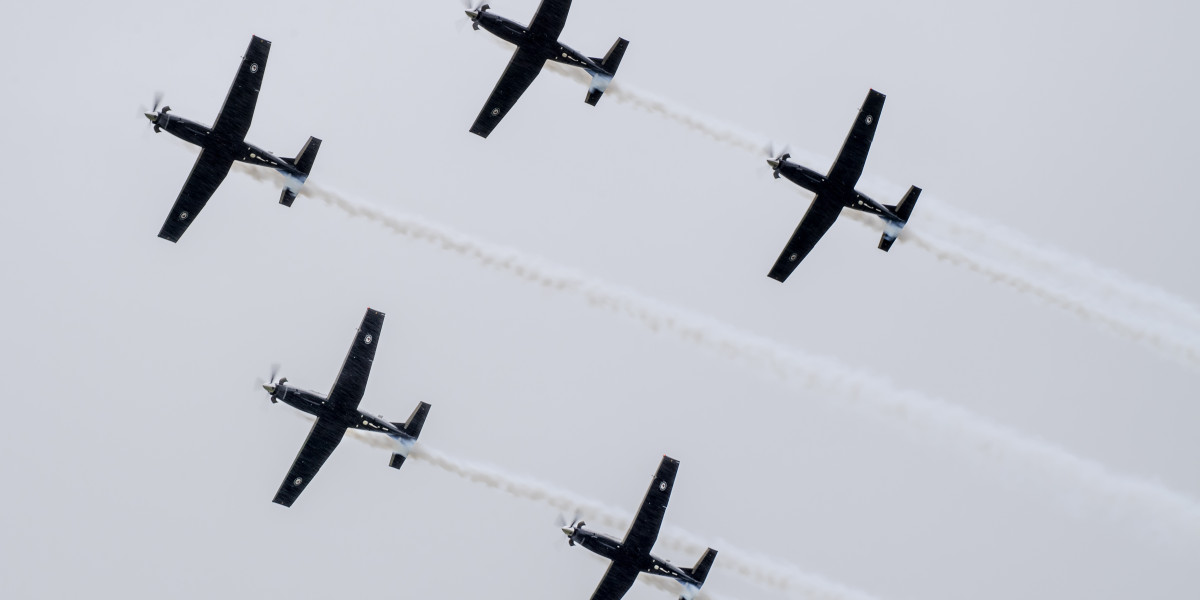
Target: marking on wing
183 216
367 340
253 67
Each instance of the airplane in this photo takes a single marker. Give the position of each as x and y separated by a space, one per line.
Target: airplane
631 556
339 412
225 142
836 191
535 45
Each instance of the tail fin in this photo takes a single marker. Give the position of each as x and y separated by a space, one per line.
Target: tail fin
412 429
700 571
904 211
609 63
303 163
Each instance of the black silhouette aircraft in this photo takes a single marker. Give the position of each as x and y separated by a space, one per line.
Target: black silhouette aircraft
632 555
537 44
225 143
836 191
339 412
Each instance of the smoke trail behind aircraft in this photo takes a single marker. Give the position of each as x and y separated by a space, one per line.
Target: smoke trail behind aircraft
1131 309
1114 494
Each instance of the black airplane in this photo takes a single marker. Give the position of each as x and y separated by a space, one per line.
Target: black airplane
339 412
537 44
225 143
632 555
836 191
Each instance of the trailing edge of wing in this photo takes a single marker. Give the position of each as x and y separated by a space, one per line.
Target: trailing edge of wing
351 381
207 174
643 532
819 218
521 71
322 440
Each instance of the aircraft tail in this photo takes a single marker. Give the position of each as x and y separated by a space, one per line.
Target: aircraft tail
303 163
903 210
700 571
609 63
412 430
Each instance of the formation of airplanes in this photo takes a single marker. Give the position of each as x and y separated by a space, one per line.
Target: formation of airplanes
224 143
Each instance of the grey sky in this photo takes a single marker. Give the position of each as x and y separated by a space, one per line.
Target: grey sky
140 458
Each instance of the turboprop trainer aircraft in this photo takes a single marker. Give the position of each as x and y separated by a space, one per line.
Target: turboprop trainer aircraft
225 143
835 191
339 412
631 556
537 44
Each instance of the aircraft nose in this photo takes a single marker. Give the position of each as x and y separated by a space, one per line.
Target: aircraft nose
270 388
773 163
473 14
569 531
152 116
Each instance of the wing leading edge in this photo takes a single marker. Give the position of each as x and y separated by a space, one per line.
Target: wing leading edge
521 71
644 530
550 18
351 381
819 218
848 166
616 582
207 174
238 111
322 439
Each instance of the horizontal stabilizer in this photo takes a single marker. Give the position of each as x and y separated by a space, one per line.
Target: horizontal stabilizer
891 229
397 461
609 63
303 163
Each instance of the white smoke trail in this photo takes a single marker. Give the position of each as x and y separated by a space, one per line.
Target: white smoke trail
1116 494
1127 307
766 572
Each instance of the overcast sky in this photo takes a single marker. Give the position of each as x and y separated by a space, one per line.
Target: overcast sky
140 457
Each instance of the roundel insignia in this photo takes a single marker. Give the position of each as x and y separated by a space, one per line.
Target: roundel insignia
495 112
869 119
793 257
183 216
367 340
253 67
662 486
298 481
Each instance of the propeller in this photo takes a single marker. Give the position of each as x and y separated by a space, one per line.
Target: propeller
776 160
153 114
475 11
271 385
569 530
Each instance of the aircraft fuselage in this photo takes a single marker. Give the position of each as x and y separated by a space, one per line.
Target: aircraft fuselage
843 192
615 551
319 407
518 35
238 150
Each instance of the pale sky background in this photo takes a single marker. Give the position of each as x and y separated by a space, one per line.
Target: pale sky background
139 457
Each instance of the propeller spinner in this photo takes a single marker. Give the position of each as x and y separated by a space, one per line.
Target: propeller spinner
474 13
777 162
272 385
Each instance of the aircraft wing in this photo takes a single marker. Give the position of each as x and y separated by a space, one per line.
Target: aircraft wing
351 381
238 111
617 580
848 166
206 176
819 218
550 18
644 530
521 71
322 440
